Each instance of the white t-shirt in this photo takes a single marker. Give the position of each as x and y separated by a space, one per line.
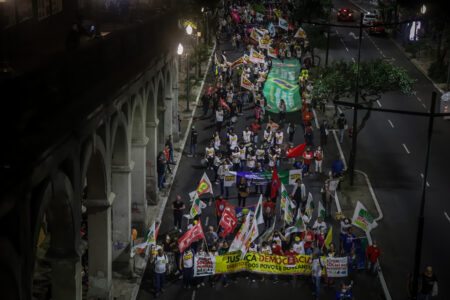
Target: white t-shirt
233 141
316 269
219 115
299 247
260 153
251 159
217 142
188 259
242 152
320 226
279 137
160 264
246 135
236 157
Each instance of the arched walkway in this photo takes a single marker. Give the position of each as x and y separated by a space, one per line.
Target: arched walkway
138 157
151 131
57 271
98 202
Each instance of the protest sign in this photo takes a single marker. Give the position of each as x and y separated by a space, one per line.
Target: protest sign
204 265
337 266
264 264
229 179
363 219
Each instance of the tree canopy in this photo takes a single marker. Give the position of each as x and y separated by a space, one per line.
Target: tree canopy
376 77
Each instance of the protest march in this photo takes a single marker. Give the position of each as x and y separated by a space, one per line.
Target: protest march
269 222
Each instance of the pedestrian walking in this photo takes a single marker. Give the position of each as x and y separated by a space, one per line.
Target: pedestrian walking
372 255
318 159
187 267
342 126
324 131
282 113
178 207
428 284
291 131
316 274
243 191
160 262
194 137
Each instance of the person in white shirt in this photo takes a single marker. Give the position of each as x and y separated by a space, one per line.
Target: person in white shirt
268 136
209 155
260 154
247 135
187 266
160 262
242 155
319 225
219 119
299 246
251 161
216 165
217 141
316 273
236 159
273 158
232 140
279 136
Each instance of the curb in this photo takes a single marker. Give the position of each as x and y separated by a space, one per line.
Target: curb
164 199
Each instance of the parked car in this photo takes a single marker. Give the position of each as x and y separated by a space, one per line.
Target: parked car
377 28
345 15
369 18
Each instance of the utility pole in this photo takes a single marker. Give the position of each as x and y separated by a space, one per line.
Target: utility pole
419 238
355 109
188 87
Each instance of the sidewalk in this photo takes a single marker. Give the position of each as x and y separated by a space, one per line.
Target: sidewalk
126 288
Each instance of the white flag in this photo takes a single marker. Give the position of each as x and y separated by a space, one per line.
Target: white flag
321 211
309 205
259 211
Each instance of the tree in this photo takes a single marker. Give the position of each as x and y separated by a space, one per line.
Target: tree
308 10
376 77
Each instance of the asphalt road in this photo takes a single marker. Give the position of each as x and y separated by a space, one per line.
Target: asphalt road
391 150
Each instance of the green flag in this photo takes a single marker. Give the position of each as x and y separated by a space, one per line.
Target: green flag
282 83
321 211
197 206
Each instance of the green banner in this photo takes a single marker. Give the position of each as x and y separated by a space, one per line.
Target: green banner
282 83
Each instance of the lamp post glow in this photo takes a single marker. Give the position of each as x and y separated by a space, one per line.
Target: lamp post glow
423 9
189 29
180 49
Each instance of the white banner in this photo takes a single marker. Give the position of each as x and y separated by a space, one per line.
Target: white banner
204 265
229 179
337 266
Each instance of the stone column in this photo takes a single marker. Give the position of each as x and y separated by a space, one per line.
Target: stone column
100 247
66 279
121 186
138 181
161 127
151 174
176 133
168 125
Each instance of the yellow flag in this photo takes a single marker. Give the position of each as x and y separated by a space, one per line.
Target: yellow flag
329 238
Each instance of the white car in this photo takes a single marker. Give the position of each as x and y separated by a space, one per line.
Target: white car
369 18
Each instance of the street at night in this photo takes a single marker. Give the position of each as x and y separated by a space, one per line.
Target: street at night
211 149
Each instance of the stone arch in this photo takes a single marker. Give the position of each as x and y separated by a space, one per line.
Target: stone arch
138 157
121 168
56 237
98 200
151 131
161 108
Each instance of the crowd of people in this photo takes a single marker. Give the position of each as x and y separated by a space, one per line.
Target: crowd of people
261 146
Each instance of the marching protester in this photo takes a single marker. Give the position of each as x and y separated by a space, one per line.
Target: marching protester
280 224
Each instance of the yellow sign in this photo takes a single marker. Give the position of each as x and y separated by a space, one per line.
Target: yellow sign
264 264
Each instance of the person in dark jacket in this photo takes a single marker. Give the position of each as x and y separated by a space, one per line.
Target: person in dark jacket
194 137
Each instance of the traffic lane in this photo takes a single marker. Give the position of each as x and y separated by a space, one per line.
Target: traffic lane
397 186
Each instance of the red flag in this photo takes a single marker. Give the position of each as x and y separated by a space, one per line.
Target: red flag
276 183
224 104
192 235
228 221
296 151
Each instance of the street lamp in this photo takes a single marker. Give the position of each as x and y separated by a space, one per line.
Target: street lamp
423 9
180 51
